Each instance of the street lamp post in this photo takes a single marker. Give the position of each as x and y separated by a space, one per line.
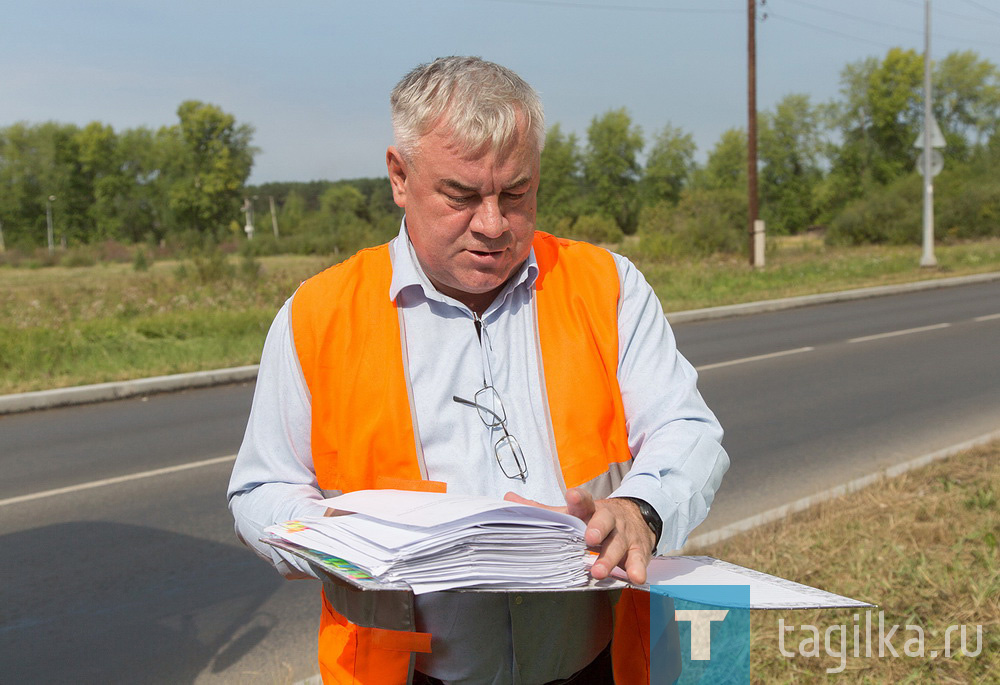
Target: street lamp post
48 221
927 255
248 210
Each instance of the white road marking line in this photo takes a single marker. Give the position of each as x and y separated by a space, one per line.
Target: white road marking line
116 479
893 334
988 317
756 358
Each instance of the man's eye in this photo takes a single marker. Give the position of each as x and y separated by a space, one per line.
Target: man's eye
460 199
514 196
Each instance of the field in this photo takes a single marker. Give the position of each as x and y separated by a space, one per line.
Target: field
62 326
922 546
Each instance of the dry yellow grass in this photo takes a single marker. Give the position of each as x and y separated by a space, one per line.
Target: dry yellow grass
922 546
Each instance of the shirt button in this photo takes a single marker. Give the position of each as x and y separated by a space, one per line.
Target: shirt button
518 599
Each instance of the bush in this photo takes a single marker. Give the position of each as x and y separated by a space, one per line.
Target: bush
889 215
967 206
705 221
206 267
560 226
114 251
596 228
141 260
78 256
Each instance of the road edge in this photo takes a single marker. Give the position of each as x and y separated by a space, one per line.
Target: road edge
699 542
103 392
762 306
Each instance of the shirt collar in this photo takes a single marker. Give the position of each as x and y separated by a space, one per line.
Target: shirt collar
407 272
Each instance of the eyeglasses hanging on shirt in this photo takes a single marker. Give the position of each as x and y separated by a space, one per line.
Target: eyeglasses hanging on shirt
507 450
490 408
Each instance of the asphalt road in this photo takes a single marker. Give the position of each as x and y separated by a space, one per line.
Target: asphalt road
129 571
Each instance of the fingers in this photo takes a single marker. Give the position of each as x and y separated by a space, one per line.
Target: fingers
580 503
514 497
517 499
599 526
615 527
612 552
623 538
635 566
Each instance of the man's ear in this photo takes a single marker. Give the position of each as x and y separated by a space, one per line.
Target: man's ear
398 171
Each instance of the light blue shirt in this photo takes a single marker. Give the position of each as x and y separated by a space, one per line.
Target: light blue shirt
674 438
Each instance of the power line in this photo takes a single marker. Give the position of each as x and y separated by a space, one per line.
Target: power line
772 15
874 22
855 17
982 7
948 13
626 8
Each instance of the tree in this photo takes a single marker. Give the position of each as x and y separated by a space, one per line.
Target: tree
101 178
36 162
143 205
292 212
879 119
559 184
726 167
790 146
611 167
966 101
669 165
209 159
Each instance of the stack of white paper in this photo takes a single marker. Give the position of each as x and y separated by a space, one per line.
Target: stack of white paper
433 541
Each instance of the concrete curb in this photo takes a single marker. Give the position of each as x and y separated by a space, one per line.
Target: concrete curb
825 298
779 513
102 392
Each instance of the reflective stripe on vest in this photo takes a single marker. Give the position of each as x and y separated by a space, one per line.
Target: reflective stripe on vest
350 346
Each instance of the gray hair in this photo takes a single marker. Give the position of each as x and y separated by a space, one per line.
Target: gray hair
479 102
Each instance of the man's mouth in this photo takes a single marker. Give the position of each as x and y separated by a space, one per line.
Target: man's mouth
487 253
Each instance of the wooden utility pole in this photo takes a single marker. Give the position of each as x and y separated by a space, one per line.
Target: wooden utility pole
274 217
752 128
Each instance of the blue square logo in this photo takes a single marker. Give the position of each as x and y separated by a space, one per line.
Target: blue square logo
699 634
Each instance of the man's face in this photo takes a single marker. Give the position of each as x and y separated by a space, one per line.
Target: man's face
471 219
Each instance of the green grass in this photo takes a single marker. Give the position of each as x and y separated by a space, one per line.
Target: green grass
922 546
70 326
63 326
803 266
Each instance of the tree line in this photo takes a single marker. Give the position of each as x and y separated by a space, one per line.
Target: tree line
847 166
182 181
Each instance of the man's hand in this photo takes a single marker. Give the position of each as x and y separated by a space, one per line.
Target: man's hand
614 527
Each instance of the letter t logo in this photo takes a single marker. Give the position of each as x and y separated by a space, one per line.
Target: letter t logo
701 630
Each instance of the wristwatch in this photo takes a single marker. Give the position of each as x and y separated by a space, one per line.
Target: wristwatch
651 518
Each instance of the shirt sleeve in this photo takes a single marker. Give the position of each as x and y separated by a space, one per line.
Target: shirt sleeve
674 437
273 478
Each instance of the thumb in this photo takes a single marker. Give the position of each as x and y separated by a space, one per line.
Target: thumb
580 503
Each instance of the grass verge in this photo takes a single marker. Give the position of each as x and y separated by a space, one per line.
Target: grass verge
923 546
64 326
800 265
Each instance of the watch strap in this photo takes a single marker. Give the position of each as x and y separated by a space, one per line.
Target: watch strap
651 518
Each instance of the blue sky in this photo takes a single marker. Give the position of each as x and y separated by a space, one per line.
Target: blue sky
313 77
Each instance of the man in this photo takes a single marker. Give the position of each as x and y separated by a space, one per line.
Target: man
473 354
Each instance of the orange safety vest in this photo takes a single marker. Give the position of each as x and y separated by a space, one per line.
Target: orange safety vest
350 344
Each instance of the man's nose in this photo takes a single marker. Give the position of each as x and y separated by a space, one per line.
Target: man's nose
489 220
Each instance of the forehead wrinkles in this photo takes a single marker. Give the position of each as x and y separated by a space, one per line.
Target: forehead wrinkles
468 170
